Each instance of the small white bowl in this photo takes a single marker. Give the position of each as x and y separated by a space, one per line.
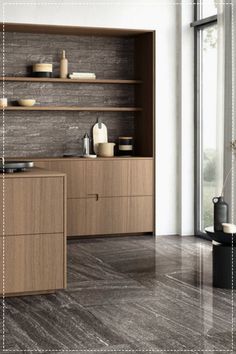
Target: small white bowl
27 102
229 228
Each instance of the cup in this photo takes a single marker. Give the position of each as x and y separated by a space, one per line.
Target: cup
3 102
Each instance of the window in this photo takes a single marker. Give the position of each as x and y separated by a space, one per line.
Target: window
208 134
207 8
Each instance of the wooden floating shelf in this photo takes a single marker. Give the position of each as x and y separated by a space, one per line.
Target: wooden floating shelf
73 108
70 81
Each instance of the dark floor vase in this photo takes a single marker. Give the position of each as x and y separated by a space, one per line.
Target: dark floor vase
220 213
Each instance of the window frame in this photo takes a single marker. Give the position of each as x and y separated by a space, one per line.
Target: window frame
198 25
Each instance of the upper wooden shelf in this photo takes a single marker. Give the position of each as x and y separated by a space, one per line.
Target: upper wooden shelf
73 108
74 81
73 30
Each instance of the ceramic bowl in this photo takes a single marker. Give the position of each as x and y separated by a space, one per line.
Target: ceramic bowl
27 102
229 228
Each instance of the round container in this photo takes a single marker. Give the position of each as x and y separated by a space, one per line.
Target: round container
42 67
42 74
106 149
42 70
3 102
125 146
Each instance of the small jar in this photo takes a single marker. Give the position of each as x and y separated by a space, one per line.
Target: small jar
3 102
125 147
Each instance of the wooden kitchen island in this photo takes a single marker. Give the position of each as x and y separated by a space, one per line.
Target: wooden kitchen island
32 232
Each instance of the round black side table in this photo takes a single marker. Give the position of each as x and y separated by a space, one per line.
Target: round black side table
224 258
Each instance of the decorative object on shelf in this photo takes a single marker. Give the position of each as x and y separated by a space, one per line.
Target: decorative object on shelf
99 135
90 156
86 145
82 76
3 102
27 102
125 147
106 149
63 66
220 213
229 228
42 70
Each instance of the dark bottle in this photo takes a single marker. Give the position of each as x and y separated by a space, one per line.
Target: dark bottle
220 213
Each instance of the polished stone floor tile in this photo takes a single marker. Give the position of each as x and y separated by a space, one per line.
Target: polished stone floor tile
134 293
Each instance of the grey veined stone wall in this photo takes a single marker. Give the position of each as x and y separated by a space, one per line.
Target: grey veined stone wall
52 133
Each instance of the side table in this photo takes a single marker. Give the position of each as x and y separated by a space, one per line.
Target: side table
224 258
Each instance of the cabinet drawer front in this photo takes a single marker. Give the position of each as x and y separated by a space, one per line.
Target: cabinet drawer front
33 263
75 171
120 215
32 205
141 176
76 217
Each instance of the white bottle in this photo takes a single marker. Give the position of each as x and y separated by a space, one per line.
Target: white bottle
63 66
86 145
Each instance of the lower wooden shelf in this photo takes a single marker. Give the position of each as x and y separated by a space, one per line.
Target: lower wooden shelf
73 108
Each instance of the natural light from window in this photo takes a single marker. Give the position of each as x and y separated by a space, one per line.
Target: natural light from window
208 8
211 136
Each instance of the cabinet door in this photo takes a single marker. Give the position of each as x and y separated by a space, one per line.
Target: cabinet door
119 215
33 263
141 177
75 171
108 178
33 205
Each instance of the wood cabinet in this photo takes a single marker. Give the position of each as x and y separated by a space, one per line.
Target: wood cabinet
107 196
34 230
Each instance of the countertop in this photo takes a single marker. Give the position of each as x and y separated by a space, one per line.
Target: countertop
34 172
79 158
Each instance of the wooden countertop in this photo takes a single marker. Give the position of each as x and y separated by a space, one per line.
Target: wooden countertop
34 172
79 158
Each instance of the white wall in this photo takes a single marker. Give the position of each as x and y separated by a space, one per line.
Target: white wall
161 16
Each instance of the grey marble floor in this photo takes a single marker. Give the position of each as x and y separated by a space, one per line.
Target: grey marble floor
134 295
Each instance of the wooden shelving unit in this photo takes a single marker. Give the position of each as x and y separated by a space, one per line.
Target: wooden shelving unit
69 81
124 99
74 108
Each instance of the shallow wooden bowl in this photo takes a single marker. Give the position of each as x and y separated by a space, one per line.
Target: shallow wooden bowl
27 102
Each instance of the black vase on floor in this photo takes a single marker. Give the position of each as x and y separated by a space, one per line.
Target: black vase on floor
220 213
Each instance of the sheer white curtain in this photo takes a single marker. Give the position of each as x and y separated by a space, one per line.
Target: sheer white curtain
226 90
